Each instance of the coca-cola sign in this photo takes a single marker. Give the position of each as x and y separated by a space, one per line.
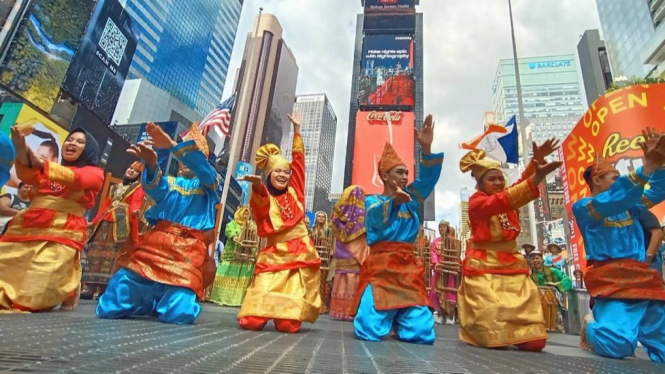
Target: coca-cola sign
375 116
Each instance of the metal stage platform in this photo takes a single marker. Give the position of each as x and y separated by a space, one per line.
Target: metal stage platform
78 342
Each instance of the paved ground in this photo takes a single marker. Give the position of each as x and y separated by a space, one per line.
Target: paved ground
59 342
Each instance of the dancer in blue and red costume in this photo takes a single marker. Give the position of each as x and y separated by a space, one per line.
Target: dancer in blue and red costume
629 297
392 287
164 273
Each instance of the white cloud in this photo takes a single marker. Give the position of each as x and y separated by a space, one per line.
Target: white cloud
464 41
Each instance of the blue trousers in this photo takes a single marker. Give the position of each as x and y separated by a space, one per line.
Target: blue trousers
413 324
129 294
620 324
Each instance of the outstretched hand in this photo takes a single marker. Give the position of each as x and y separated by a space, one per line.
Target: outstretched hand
255 180
20 145
653 147
160 139
425 136
542 169
545 149
296 121
145 153
401 197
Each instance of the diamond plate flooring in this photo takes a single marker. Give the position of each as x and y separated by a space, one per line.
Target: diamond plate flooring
78 342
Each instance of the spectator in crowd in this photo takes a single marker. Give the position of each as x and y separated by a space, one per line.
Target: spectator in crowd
554 258
579 279
11 204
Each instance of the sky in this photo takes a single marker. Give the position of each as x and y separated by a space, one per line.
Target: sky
464 41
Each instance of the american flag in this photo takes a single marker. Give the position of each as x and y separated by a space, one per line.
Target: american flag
218 117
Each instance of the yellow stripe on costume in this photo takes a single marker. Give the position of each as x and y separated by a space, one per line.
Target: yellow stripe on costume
404 215
155 180
432 162
298 145
183 191
624 222
592 211
648 203
275 214
58 173
520 194
182 152
386 211
636 179
414 191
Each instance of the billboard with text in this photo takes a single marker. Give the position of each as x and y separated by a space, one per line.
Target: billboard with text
610 129
373 130
389 6
97 73
387 72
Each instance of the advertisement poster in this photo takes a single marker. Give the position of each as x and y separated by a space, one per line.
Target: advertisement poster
97 73
37 62
389 6
242 169
387 71
45 140
373 130
163 155
610 129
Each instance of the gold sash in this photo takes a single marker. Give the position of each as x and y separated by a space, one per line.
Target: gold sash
58 204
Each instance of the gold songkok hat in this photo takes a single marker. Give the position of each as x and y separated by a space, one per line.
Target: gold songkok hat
138 166
269 157
199 138
477 164
389 159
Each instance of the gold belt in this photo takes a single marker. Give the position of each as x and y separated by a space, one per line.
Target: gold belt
297 232
507 247
58 204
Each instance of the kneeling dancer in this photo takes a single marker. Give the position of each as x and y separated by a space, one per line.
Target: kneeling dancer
392 288
163 274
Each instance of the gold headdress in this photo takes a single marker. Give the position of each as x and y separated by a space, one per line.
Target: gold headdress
389 159
269 158
199 138
476 162
138 166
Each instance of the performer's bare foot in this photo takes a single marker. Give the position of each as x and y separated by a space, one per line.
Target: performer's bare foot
72 301
583 343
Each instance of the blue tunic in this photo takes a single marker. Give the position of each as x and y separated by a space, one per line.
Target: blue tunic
609 226
386 222
187 202
7 155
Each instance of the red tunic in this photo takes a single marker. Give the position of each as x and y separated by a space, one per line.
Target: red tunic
56 213
131 203
281 219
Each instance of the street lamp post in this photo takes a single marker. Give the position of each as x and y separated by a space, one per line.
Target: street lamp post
523 124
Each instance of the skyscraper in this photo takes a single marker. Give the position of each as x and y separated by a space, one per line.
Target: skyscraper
634 34
319 126
388 26
266 87
185 47
596 72
550 90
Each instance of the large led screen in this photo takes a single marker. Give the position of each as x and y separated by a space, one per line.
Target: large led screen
38 58
381 127
391 6
387 72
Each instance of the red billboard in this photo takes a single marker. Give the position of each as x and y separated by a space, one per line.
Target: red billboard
610 129
387 72
373 130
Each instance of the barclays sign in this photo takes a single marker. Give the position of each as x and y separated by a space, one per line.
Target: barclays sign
550 64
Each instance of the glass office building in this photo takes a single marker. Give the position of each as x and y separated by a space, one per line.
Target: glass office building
185 47
551 94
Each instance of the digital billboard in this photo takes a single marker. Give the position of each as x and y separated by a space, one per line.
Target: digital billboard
387 72
389 6
43 48
97 73
45 137
604 132
373 130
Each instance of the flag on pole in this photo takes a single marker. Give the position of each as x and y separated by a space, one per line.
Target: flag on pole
219 117
498 142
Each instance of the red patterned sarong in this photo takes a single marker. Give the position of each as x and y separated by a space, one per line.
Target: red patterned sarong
624 279
397 277
170 254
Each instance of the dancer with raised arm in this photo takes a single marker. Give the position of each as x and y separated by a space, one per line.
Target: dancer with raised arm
498 305
392 288
287 278
163 274
629 296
